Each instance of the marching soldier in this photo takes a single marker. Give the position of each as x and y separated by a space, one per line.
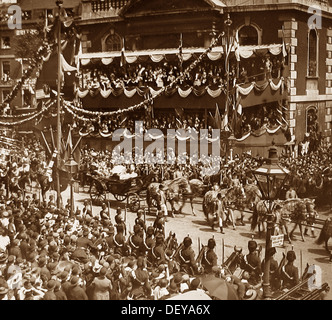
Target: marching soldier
290 273
139 219
252 263
186 257
209 259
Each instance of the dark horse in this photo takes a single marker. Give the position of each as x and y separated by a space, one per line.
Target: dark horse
325 235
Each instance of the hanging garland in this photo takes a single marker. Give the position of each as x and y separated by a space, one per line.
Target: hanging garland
35 115
18 115
193 65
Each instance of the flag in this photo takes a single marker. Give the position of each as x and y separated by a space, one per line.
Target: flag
224 122
237 47
284 49
217 117
69 142
180 51
123 58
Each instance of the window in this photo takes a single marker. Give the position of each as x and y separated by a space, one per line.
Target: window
113 43
5 70
5 42
312 53
248 35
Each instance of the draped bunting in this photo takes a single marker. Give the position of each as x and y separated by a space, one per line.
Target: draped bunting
157 56
181 135
260 87
185 93
66 66
260 132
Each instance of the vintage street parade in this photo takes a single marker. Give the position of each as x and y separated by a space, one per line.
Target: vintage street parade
165 150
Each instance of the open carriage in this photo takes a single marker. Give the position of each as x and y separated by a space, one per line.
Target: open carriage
130 188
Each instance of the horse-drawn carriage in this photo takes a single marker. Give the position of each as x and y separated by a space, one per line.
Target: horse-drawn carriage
131 189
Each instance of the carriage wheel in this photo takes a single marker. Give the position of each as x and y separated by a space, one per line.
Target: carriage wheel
133 202
97 193
120 197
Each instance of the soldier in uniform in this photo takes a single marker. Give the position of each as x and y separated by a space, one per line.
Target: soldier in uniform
139 219
186 257
158 254
274 270
290 273
209 259
148 243
252 263
159 223
120 245
135 241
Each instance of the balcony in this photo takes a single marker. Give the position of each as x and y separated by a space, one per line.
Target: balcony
101 9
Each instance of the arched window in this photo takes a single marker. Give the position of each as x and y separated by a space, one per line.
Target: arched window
311 120
113 43
312 53
248 35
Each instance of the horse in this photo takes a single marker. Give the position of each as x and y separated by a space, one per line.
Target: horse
325 234
232 197
292 209
178 190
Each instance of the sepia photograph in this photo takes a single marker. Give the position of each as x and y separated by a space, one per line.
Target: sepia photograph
165 154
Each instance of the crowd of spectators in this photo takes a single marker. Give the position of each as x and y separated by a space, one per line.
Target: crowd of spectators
207 73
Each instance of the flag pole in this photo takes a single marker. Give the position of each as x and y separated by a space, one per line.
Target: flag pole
59 4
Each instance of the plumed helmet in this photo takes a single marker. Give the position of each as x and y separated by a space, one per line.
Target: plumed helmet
291 256
211 243
187 241
137 228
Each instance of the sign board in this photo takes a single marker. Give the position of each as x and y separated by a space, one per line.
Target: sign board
277 241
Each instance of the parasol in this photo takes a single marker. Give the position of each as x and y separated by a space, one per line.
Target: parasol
219 288
192 295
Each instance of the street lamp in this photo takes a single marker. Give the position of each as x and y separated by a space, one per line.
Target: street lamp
71 163
270 178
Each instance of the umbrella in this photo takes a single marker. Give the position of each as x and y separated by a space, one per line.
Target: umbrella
219 288
192 295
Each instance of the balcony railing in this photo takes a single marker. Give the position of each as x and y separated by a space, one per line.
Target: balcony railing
107 5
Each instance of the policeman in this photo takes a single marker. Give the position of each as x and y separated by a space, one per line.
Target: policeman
135 241
290 273
120 244
186 257
209 259
252 263
158 254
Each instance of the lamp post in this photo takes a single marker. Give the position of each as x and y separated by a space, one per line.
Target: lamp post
270 179
59 4
71 163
